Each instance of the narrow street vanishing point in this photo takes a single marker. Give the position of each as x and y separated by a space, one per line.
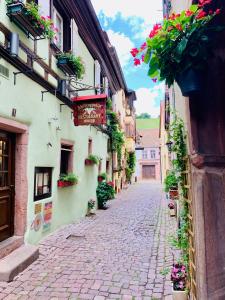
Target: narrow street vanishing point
116 254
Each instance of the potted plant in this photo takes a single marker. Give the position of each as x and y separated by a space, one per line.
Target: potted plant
28 18
171 185
66 180
102 177
178 278
179 48
91 206
171 206
104 193
92 160
70 64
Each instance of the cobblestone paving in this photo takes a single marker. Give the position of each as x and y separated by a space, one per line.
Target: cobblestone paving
117 254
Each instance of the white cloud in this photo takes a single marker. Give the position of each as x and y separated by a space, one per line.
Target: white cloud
148 100
123 45
149 10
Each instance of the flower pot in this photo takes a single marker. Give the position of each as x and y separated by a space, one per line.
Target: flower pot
172 212
173 193
190 82
63 183
18 14
180 295
88 162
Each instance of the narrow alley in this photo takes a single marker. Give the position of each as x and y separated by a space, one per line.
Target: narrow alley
118 253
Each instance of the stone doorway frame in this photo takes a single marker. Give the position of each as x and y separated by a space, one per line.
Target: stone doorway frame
21 132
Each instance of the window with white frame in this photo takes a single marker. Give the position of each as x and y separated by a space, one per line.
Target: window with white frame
58 21
144 154
152 153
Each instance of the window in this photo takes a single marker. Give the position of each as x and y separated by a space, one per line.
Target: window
58 21
42 183
144 154
66 163
107 166
152 153
89 146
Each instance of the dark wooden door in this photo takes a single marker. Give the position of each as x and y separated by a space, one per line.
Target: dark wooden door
6 185
148 172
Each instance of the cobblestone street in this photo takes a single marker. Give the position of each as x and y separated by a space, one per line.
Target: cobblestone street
116 254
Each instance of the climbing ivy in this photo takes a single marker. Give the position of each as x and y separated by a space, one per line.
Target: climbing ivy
117 136
130 168
179 148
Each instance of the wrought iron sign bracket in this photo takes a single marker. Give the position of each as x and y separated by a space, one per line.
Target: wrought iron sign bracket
18 73
44 92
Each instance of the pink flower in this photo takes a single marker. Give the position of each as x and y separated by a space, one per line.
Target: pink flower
43 18
48 17
142 57
154 80
204 2
217 11
179 27
56 29
175 270
134 52
201 14
143 46
188 13
137 62
155 30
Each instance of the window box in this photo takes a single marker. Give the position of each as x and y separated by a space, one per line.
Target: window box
62 183
91 160
88 162
18 14
70 64
173 193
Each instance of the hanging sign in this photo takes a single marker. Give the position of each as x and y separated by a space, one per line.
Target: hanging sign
90 110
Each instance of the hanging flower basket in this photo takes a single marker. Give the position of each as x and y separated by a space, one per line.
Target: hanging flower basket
88 162
91 160
27 18
180 46
190 82
70 64
67 180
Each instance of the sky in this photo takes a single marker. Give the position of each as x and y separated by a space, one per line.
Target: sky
128 23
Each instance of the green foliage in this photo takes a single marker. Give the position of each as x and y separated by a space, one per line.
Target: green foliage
117 136
147 123
170 181
143 116
165 271
94 158
109 104
131 161
91 204
103 175
75 61
104 193
69 177
42 22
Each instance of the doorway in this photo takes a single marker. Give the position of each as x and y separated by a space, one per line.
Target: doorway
7 185
148 172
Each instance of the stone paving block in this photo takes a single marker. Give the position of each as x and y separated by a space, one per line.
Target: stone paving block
124 250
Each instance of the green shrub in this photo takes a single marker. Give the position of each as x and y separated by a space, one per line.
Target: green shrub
170 181
104 193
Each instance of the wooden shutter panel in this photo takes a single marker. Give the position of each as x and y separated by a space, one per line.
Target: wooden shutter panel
97 74
44 7
74 37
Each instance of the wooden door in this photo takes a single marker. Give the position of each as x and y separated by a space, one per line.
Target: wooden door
6 186
148 172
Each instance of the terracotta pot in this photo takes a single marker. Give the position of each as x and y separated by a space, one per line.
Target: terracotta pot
100 178
180 295
172 212
62 183
173 194
88 162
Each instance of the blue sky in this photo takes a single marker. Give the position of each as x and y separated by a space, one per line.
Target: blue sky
128 23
